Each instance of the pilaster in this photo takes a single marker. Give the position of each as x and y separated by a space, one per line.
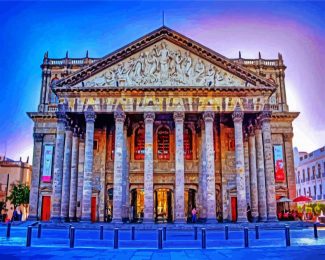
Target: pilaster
81 165
289 159
208 117
74 176
238 116
179 167
148 168
118 166
90 117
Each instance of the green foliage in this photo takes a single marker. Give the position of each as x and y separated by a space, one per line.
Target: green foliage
299 209
308 209
19 195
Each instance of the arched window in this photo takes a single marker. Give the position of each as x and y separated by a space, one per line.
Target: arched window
163 143
188 148
139 144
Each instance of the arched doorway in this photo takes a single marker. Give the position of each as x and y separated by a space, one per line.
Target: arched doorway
190 203
109 205
163 198
137 205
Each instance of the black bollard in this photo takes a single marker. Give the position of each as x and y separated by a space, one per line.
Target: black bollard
160 241
133 233
226 232
164 233
29 236
195 233
101 233
315 231
115 238
246 236
70 226
257 232
287 235
72 236
39 230
8 229
204 239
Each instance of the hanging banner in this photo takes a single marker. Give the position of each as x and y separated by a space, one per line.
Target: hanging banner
47 163
278 163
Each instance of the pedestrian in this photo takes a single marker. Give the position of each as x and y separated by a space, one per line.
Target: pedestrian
249 213
194 215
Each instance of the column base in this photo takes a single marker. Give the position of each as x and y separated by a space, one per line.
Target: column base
73 219
56 219
85 219
211 221
148 221
179 221
272 219
262 219
117 221
242 220
254 219
32 218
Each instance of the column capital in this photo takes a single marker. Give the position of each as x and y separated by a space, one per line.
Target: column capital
179 116
208 116
266 114
287 137
149 117
38 137
61 116
258 123
238 114
119 115
90 115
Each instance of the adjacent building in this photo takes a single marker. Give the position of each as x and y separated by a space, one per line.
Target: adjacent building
160 126
310 174
13 173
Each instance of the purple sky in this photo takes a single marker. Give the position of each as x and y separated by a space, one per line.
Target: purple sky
295 29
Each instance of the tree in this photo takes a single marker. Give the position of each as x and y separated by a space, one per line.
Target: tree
19 195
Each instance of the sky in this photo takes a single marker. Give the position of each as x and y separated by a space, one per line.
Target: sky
29 29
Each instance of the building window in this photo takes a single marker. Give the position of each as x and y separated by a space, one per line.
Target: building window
319 171
163 143
315 190
188 149
303 176
308 174
305 191
309 191
313 175
320 189
139 141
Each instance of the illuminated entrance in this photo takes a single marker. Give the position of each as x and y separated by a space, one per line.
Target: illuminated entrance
163 205
137 205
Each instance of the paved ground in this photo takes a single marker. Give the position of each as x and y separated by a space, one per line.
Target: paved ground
179 243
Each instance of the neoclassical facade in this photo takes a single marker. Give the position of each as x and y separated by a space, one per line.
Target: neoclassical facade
158 127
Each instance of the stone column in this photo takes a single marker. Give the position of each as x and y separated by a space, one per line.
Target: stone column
81 162
260 173
148 168
269 165
66 174
179 167
58 165
288 155
208 117
74 176
238 116
88 165
253 173
202 194
246 160
35 180
118 166
125 177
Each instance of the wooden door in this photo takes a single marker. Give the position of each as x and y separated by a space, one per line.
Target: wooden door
93 209
46 208
234 209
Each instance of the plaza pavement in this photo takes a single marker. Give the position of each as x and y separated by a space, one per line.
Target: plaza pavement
179 243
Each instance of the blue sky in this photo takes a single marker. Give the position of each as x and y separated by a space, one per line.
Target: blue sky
29 29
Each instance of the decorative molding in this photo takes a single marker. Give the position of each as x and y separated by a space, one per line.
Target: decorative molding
208 116
179 117
287 137
38 137
90 115
149 117
238 114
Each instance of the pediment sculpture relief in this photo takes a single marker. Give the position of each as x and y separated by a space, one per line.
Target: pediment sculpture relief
163 64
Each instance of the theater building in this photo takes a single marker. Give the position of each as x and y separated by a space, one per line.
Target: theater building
158 127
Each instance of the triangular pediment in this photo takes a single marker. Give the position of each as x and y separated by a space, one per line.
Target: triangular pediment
164 58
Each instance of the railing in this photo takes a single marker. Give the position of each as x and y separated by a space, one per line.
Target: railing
52 108
73 61
257 62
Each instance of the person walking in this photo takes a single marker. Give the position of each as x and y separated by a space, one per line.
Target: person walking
194 215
